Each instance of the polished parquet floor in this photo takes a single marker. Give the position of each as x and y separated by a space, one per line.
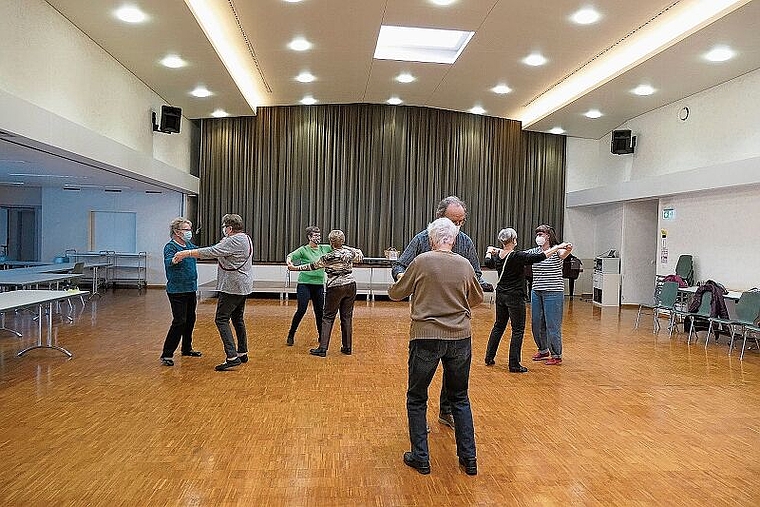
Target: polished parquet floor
630 418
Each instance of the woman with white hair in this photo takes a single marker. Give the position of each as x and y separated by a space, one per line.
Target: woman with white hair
341 291
510 294
445 289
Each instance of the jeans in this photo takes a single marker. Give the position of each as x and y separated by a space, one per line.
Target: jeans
424 356
231 306
508 307
304 293
183 321
546 320
340 297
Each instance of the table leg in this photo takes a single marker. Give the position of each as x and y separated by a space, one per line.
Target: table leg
3 328
49 333
94 283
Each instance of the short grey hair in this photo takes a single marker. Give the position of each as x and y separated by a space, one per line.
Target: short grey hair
234 221
336 238
174 225
442 231
446 202
507 235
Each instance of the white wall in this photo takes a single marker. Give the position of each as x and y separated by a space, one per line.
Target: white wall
47 62
707 166
66 221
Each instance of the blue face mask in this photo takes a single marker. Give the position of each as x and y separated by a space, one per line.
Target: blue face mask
187 235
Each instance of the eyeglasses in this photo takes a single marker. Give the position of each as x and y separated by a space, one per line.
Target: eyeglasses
459 222
184 229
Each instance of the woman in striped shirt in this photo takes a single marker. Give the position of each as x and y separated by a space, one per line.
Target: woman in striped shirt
547 297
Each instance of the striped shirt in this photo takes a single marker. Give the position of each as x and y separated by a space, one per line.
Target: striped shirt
547 275
338 264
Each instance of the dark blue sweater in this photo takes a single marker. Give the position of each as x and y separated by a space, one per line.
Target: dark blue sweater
183 276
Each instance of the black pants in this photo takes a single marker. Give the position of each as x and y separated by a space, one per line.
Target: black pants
183 321
306 292
507 307
231 307
341 298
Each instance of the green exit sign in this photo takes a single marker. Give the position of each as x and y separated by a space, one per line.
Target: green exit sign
668 214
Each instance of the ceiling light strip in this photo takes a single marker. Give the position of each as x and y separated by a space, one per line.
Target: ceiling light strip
220 25
673 24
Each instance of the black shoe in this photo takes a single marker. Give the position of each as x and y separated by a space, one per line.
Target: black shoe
470 465
517 369
345 350
167 361
192 353
446 419
490 362
422 467
243 358
318 352
290 340
227 365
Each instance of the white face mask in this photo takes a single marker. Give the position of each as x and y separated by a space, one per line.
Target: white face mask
187 235
540 240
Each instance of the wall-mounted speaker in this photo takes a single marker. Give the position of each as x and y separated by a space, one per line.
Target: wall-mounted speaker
622 142
171 119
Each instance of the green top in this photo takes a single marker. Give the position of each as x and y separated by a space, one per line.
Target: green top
307 255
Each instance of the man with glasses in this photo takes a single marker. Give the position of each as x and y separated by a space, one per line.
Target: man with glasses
453 208
181 286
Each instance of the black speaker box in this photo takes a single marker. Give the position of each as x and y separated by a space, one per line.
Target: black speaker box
171 118
623 142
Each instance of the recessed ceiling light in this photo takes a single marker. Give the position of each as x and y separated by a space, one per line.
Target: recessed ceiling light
308 100
585 16
201 92
477 110
592 113
220 113
173 62
131 14
443 3
299 44
534 60
643 90
501 89
405 77
719 54
394 101
431 45
557 130
293 1
305 77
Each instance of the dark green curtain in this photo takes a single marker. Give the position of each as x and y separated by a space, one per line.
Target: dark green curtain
376 172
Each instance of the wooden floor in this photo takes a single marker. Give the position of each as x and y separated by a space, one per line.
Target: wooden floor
630 418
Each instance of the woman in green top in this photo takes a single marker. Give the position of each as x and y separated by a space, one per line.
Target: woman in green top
311 284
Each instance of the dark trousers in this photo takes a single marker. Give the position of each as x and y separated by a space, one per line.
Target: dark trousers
231 307
339 298
306 292
424 356
508 307
183 321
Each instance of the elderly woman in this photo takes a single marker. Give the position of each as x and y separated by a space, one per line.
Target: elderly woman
547 297
510 294
181 286
234 281
445 289
341 291
311 284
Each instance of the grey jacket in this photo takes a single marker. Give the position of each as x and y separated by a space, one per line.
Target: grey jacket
234 254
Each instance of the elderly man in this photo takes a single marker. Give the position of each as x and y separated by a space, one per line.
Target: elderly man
234 253
453 208
341 291
444 288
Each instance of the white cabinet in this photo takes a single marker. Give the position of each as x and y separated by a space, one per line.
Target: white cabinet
606 281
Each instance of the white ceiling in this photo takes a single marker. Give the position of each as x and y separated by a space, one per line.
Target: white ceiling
344 34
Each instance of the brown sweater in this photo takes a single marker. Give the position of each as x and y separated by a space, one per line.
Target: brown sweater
444 288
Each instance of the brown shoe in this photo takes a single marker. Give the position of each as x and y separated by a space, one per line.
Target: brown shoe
446 419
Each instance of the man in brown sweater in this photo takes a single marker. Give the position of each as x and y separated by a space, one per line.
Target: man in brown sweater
444 288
